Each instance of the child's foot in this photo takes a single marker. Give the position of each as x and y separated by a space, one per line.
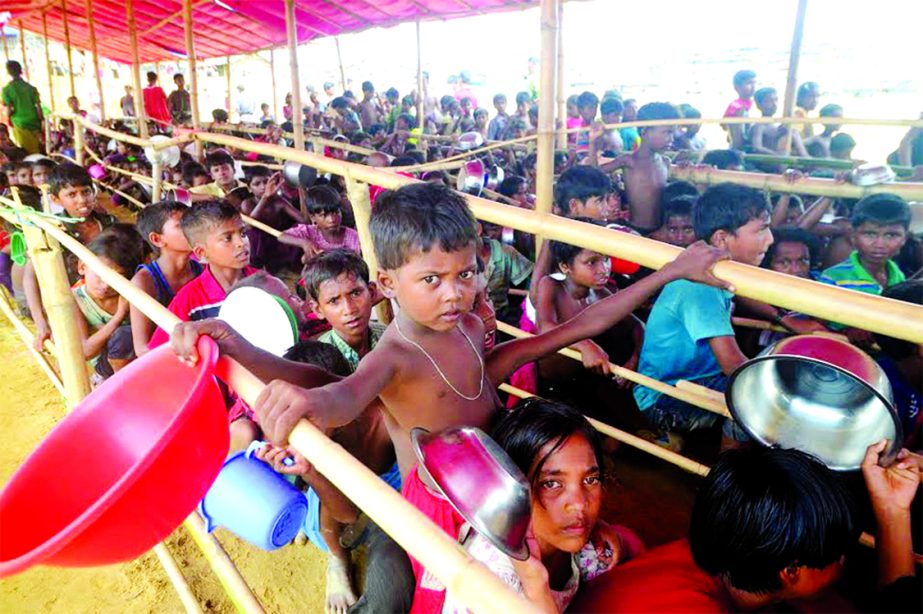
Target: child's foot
339 591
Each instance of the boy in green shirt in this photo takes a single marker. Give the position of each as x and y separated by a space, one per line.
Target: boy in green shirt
24 108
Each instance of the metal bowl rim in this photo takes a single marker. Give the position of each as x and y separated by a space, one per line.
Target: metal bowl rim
893 448
520 554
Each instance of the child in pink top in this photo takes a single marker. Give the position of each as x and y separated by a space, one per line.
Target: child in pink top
326 230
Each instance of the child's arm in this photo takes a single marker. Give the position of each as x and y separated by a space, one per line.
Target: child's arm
694 263
306 244
141 326
36 309
546 318
768 312
814 213
780 211
94 343
541 270
623 161
727 352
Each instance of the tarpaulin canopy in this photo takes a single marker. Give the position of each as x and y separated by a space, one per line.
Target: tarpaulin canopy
228 27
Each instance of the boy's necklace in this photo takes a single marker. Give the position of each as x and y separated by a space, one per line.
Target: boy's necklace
439 371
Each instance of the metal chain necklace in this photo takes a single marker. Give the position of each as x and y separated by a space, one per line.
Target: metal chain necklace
439 371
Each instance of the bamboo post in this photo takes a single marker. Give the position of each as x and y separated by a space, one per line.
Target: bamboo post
6 51
275 95
544 165
22 49
291 32
186 596
138 93
59 305
421 107
791 84
562 93
193 72
67 45
228 73
91 24
157 176
336 40
358 194
48 65
78 142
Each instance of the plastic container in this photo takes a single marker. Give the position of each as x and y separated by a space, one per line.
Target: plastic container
254 502
122 470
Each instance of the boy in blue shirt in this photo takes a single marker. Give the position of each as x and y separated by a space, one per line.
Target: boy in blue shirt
689 334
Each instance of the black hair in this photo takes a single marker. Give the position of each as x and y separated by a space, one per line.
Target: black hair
339 103
881 209
564 253
14 68
499 98
45 163
122 245
392 93
358 136
742 76
524 431
510 185
220 115
689 112
679 187
404 160
480 111
151 76
789 234
727 207
679 206
153 217
191 170
522 98
831 110
587 99
68 175
349 94
330 265
258 170
367 86
723 158
580 183
842 142
910 292
319 354
178 75
763 92
322 199
762 510
657 110
611 105
408 99
203 216
217 158
804 90
409 119
420 216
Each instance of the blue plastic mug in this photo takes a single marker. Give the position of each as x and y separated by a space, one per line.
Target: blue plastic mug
254 502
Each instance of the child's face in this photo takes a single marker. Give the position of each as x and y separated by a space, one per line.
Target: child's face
878 243
611 118
566 496
592 207
258 186
77 200
588 269
769 104
630 112
222 174
23 176
434 288
659 138
572 110
96 287
171 236
791 258
226 245
277 287
346 302
500 106
680 230
748 244
745 90
39 175
200 180
588 113
326 220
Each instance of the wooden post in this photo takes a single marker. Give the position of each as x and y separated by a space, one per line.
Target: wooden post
6 50
79 156
54 286
421 106
22 48
275 94
791 84
193 73
67 45
228 73
99 81
336 40
157 177
138 93
562 92
545 138
48 62
362 209
291 31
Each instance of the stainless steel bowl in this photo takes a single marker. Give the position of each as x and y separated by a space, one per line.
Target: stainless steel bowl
481 482
817 394
469 141
299 175
470 178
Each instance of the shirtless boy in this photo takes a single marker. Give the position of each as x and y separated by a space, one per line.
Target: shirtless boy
646 170
429 367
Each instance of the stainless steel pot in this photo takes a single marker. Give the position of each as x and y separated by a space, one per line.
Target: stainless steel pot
817 394
299 175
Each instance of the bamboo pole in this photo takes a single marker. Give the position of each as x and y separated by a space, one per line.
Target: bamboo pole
29 339
157 177
186 596
358 194
22 49
694 396
336 40
275 95
91 25
138 93
480 589
562 93
544 166
67 45
59 305
6 51
193 72
421 106
791 83
815 186
291 32
808 162
228 73
78 143
48 63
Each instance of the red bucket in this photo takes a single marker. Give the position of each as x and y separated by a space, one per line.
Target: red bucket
122 470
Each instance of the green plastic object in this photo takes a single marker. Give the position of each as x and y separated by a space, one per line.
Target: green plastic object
18 249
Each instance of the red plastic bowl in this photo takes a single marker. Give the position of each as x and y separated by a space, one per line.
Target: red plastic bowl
122 470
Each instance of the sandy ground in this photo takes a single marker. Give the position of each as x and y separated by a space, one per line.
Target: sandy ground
288 580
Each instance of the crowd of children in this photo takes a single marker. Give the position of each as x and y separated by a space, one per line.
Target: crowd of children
757 534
